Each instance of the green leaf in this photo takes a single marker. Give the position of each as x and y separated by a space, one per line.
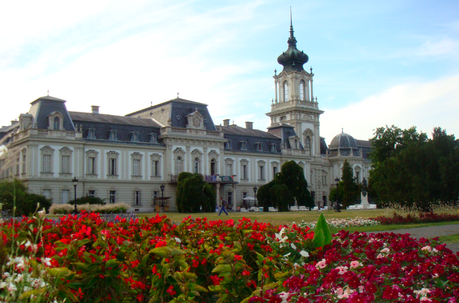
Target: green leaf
160 251
59 272
222 268
323 225
319 239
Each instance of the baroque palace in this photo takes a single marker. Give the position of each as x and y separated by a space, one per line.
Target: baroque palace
136 158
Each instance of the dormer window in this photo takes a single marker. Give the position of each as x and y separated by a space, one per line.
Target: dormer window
243 145
91 133
56 123
259 146
273 147
113 135
228 145
134 137
153 138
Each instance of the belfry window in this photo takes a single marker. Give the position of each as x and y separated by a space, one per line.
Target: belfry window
285 91
302 90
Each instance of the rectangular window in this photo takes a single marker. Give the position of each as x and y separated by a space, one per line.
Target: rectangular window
136 167
112 166
65 196
92 165
91 193
244 171
46 163
262 173
229 169
65 164
155 168
137 200
274 170
112 197
47 193
23 164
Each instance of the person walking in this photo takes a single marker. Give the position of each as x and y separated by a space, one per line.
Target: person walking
223 204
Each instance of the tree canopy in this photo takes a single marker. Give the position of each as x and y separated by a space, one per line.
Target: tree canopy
409 168
15 193
286 187
194 194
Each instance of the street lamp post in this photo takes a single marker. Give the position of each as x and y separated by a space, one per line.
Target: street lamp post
255 195
162 197
75 183
337 195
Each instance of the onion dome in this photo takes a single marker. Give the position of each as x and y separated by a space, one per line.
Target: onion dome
292 59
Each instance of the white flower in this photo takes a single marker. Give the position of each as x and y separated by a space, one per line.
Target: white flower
2 285
11 287
178 240
284 296
304 254
293 246
19 278
46 261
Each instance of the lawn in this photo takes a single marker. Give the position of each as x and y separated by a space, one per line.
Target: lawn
287 218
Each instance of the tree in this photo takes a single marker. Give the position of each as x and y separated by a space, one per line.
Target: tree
350 188
15 194
288 185
419 170
194 194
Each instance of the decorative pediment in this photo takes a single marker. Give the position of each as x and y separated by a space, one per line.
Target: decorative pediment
195 120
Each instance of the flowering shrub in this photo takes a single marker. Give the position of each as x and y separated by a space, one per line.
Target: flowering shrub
65 209
87 259
422 217
341 223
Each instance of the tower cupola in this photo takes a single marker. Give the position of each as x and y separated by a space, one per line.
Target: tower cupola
292 59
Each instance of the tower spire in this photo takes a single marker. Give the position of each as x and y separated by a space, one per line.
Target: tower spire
292 58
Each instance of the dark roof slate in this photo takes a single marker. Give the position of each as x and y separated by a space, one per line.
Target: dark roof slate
112 119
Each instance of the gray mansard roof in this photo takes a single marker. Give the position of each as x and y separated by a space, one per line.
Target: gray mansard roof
124 127
250 140
175 112
44 106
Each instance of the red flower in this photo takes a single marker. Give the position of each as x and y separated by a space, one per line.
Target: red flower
171 290
216 279
246 273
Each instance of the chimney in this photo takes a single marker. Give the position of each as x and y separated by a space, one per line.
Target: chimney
249 125
226 122
94 109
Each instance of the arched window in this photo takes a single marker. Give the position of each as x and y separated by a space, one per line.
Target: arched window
285 91
56 123
302 90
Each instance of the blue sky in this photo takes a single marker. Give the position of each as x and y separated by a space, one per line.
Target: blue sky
375 62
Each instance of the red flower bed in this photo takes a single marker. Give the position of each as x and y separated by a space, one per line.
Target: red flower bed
422 217
87 259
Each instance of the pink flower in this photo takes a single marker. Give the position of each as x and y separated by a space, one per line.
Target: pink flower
342 269
321 264
355 264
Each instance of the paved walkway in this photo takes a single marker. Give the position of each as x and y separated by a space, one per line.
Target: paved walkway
430 232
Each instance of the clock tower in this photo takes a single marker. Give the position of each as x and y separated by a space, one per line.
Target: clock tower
294 103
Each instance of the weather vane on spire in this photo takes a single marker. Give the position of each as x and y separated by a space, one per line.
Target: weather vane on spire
177 95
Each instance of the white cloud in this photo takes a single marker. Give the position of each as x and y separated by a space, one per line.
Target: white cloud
424 105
